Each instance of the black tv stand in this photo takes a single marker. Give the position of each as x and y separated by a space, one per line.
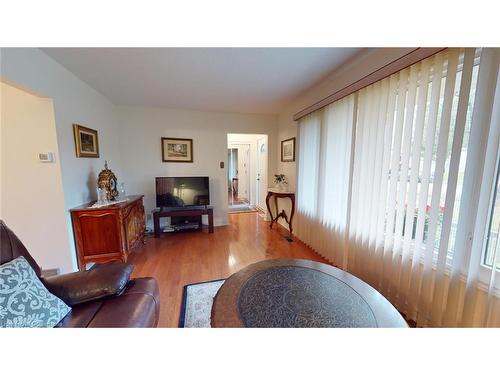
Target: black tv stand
183 208
183 212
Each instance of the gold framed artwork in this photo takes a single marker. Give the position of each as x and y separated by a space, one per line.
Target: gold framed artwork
177 150
288 150
86 142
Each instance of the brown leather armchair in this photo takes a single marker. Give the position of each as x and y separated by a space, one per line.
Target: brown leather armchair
103 296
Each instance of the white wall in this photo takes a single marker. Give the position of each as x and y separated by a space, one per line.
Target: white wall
130 136
74 102
249 139
360 66
141 130
32 202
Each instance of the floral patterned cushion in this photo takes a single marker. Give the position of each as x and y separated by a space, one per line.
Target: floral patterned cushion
24 300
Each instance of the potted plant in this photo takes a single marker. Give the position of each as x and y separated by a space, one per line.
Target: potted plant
280 181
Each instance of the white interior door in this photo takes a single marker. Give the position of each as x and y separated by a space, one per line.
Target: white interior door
243 172
261 172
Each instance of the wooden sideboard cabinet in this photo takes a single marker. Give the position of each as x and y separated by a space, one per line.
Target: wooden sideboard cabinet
109 232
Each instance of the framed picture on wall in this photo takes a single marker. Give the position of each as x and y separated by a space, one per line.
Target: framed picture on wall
288 150
86 142
177 150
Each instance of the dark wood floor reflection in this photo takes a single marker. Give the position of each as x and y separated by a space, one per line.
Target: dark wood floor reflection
185 258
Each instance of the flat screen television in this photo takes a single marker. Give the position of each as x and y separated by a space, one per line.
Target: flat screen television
182 191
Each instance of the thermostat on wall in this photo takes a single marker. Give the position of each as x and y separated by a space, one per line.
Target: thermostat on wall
46 157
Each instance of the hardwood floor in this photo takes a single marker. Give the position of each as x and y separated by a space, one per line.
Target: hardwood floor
185 258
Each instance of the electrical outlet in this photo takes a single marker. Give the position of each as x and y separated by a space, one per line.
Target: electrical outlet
51 272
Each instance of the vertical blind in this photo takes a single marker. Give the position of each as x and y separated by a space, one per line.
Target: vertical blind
325 142
395 184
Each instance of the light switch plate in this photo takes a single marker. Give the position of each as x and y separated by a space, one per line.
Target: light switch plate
46 157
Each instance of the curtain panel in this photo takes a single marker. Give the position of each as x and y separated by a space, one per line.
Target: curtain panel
396 182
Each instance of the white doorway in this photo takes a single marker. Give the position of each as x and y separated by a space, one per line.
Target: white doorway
261 190
247 172
239 174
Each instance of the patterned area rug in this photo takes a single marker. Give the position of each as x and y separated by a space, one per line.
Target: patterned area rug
197 304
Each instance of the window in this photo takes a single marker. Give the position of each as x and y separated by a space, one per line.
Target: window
492 248
395 183
461 164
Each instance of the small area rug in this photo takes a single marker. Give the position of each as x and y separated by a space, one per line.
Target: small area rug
237 208
197 302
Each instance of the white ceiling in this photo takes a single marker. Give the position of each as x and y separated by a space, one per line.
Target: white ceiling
244 80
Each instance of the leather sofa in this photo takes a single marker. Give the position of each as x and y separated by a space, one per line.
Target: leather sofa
103 296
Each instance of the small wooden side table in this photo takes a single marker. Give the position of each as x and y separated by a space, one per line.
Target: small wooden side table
235 187
276 193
